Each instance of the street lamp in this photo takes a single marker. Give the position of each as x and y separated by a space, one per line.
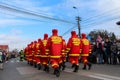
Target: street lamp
118 23
78 21
76 9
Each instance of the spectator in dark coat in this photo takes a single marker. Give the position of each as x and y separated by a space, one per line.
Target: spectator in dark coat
108 44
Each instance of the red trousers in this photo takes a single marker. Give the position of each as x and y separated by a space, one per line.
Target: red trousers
55 62
84 59
38 60
44 60
74 59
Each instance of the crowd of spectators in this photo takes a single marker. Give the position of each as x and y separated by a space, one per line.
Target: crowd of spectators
105 51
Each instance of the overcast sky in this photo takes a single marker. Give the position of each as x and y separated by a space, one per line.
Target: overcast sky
17 30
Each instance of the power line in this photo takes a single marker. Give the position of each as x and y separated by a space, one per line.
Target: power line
68 30
101 22
13 6
115 10
22 17
31 13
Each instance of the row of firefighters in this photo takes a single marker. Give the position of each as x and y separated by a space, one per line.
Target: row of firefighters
52 51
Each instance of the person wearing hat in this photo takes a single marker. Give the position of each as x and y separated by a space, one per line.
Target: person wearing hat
44 53
34 52
63 55
85 51
55 48
30 53
37 56
74 50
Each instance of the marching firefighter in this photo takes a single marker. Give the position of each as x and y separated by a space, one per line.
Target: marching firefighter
74 50
63 55
39 53
34 53
37 49
44 53
55 48
86 50
30 53
26 54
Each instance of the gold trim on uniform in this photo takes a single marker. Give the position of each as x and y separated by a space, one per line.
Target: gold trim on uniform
38 50
54 65
37 55
68 48
46 53
44 56
74 54
55 56
47 50
84 54
30 55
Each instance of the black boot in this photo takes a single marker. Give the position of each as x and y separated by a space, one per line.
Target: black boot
31 63
44 68
54 72
35 64
73 65
60 65
47 69
39 66
28 62
76 68
84 68
57 72
63 66
89 66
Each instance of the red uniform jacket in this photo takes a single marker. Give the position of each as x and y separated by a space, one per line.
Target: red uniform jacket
30 52
26 53
44 52
74 46
86 47
37 49
55 46
64 48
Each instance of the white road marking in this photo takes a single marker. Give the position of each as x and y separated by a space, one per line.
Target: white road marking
98 77
6 62
17 61
108 76
12 61
28 70
94 75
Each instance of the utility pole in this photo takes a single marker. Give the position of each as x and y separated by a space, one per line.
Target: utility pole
79 30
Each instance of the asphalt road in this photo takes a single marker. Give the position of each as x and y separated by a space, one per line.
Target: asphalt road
16 70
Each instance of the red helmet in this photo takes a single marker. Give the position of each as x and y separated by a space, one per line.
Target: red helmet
31 42
54 31
39 40
83 35
45 36
73 33
35 41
